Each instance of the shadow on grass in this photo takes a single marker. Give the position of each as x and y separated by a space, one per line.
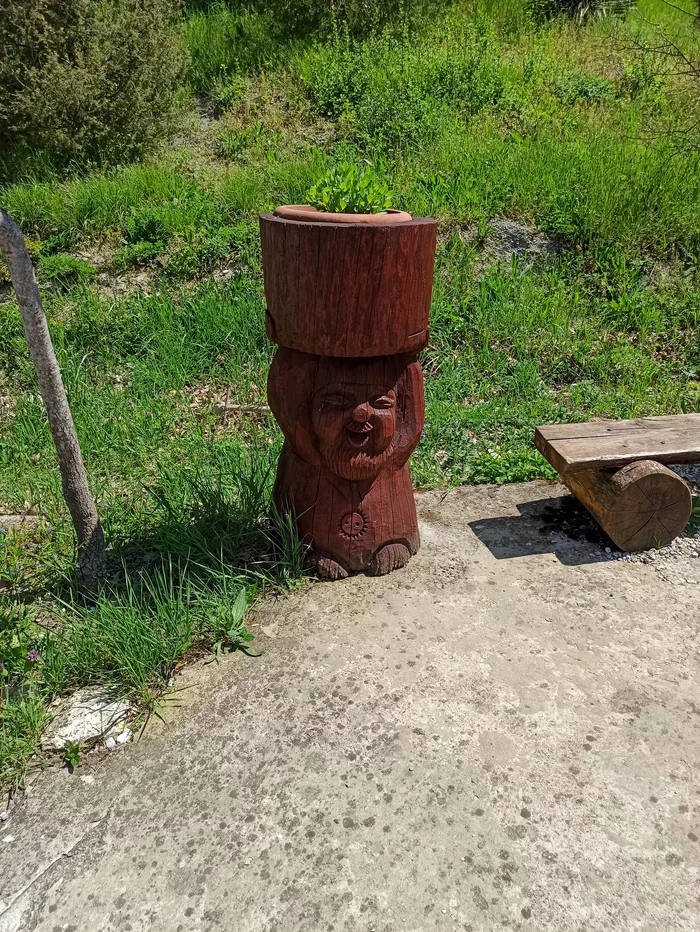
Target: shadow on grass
220 521
187 565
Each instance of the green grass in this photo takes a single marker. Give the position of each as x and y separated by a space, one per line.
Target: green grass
131 639
65 270
480 115
225 42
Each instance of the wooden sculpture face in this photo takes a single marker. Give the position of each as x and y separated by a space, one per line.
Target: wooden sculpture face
355 426
349 426
352 417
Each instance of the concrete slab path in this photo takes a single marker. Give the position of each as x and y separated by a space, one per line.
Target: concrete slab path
504 735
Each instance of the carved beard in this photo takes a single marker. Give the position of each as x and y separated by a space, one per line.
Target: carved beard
345 461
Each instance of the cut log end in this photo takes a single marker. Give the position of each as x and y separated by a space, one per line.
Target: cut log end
655 506
641 506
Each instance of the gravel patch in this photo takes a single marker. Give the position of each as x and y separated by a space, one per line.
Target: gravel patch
691 474
679 563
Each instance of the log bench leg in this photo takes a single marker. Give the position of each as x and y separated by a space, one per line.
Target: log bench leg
642 505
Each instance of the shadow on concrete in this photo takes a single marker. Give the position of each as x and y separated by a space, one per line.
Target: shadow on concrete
560 526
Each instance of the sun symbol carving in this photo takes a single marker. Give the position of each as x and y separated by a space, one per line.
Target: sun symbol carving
353 525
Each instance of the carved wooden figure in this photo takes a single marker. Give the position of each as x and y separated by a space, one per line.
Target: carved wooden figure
348 302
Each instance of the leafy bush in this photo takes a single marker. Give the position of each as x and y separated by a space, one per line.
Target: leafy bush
66 270
575 85
87 80
351 189
148 225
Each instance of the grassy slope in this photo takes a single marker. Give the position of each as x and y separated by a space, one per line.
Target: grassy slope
480 117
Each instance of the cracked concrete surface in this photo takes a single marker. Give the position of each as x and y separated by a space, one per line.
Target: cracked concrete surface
505 734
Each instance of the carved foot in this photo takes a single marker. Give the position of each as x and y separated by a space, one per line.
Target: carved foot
389 558
328 568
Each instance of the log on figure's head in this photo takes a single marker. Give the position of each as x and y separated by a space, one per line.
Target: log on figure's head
352 289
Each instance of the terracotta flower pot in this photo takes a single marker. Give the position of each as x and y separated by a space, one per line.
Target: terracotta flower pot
348 300
307 212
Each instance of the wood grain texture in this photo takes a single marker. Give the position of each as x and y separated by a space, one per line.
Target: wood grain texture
347 523
607 444
642 505
348 290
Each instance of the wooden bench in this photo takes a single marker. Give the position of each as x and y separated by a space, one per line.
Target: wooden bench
615 469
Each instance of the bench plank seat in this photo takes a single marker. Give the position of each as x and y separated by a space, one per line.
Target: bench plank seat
604 444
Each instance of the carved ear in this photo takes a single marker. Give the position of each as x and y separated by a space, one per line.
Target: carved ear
410 408
289 389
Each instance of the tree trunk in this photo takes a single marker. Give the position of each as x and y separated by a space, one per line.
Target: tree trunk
92 557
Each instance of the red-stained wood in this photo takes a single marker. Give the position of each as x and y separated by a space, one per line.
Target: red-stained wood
348 289
348 303
350 426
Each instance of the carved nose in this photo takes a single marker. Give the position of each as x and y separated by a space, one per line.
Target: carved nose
362 413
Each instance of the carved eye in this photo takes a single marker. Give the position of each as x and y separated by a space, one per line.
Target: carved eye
383 403
335 400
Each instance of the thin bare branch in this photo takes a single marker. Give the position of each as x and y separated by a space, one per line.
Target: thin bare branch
92 559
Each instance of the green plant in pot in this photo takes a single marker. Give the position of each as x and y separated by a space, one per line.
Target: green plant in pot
351 189
348 193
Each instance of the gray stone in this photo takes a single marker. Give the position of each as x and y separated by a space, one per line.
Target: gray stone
504 240
85 716
124 736
546 698
508 239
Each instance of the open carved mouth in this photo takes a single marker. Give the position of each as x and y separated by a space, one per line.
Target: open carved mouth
356 457
358 435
